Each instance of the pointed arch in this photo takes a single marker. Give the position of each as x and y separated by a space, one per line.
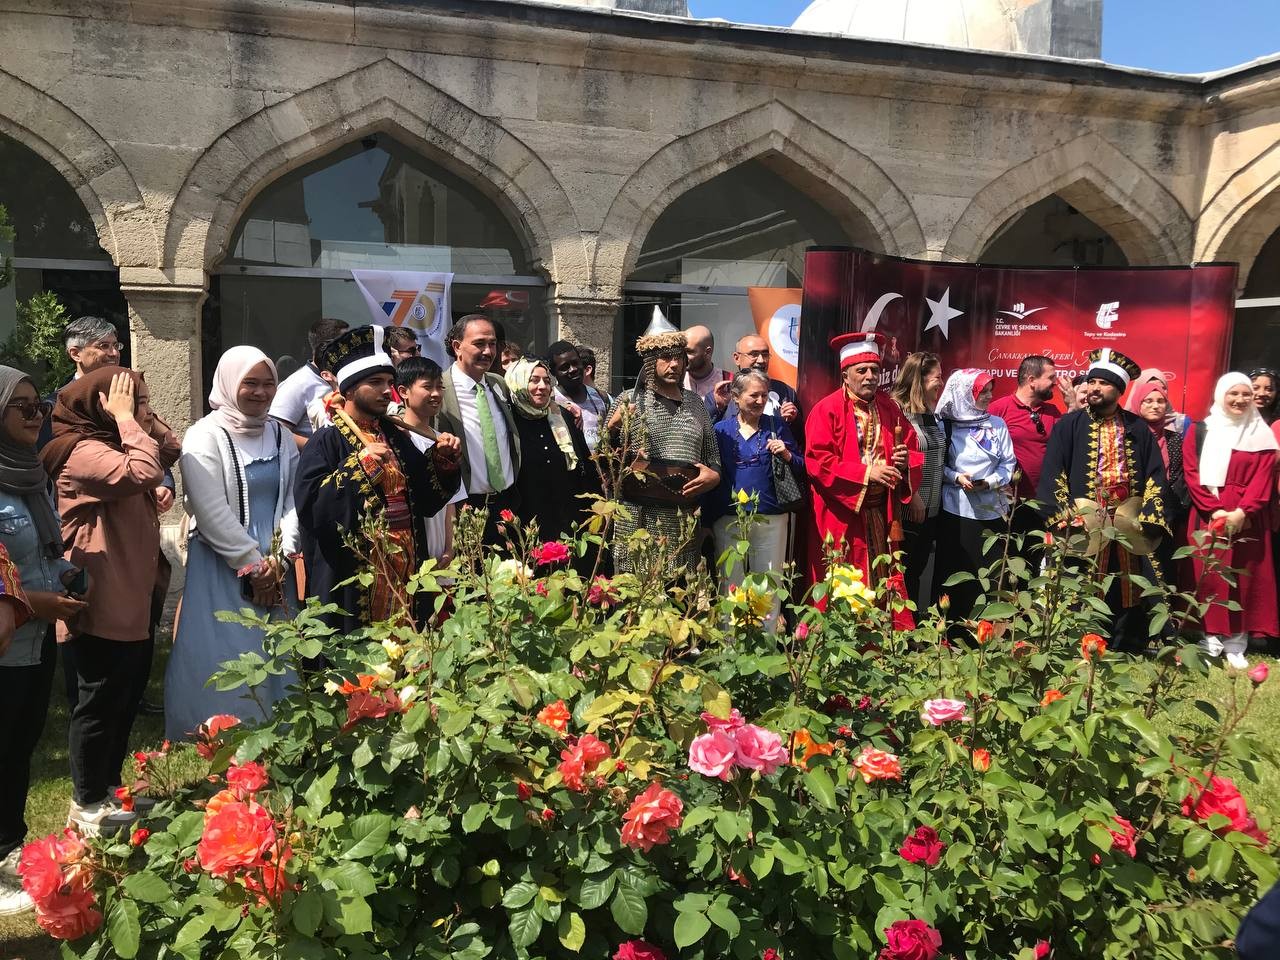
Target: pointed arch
1143 217
1243 214
379 97
88 163
859 193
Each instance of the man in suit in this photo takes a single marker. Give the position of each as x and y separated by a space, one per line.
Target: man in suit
477 408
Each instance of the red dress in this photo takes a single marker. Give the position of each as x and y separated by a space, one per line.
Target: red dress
843 500
1248 486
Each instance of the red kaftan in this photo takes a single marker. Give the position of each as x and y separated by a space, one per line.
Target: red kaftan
1248 486
838 479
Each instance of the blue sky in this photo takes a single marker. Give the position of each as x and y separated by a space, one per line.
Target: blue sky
1180 36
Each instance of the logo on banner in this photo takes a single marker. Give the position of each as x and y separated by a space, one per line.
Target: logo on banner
413 309
784 333
1020 311
1108 314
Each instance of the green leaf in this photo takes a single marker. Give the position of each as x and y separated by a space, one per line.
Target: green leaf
1072 889
320 790
629 910
456 722
519 894
192 932
725 919
123 928
821 788
147 887
571 931
1135 721
1195 841
350 914
525 925
368 836
1220 856
690 928
307 912
474 816
594 891
351 877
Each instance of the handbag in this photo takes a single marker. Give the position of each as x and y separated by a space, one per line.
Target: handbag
787 490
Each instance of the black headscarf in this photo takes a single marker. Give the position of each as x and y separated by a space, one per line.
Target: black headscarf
21 472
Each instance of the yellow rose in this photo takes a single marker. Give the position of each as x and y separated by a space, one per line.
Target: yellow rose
394 650
743 497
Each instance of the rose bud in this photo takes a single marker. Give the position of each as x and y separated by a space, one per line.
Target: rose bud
1258 672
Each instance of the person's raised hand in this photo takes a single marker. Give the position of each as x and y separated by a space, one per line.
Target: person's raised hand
720 394
118 402
375 451
788 411
1068 392
885 473
449 448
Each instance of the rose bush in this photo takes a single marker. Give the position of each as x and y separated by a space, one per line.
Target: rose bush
569 766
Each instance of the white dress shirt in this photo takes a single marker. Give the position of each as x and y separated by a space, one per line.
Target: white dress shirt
480 482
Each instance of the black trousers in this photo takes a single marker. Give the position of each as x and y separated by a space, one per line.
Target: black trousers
22 714
960 542
495 503
111 676
919 540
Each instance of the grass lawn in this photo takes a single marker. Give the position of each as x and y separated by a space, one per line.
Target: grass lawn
21 939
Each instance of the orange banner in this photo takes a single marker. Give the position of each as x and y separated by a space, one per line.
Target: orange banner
776 311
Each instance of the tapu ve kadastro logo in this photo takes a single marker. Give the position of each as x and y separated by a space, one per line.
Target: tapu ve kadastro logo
1108 314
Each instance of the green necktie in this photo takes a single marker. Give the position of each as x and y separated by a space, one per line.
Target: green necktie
489 436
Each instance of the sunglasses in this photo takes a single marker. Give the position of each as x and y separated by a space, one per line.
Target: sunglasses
30 409
1035 418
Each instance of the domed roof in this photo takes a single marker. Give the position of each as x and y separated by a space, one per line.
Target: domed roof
976 24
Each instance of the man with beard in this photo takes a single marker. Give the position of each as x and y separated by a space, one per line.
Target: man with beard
665 428
1030 415
864 462
1102 468
363 465
572 390
701 375
752 353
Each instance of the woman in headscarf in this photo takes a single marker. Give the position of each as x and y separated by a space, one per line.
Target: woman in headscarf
31 534
1230 477
555 464
238 467
108 454
1266 393
1150 401
976 475
1178 422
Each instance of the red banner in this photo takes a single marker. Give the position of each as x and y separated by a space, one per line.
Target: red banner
972 315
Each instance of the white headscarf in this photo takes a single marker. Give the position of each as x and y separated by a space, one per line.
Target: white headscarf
959 397
233 367
1226 431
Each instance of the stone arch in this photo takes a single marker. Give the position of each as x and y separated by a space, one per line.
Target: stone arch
1243 214
88 163
859 193
379 97
1143 217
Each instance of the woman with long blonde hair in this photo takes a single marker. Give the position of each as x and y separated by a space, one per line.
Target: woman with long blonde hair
917 389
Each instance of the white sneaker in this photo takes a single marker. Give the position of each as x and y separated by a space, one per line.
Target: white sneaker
99 819
13 899
1238 660
1211 645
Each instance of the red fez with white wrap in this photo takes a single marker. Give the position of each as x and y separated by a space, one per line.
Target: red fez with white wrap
866 347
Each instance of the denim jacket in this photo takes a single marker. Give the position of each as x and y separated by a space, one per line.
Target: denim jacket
38 570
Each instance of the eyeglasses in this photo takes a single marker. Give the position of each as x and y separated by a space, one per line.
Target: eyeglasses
760 354
30 409
410 351
1035 418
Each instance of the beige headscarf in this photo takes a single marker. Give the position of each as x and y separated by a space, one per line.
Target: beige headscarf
233 367
518 376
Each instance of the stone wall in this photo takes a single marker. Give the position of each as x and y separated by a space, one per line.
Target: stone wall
168 118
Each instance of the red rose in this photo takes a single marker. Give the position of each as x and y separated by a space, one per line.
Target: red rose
42 861
1126 838
982 760
553 551
1043 949
507 515
601 593
207 733
246 778
548 814
581 759
922 846
1221 797
523 790
1258 673
139 836
651 816
370 704
1090 644
236 835
911 940
638 950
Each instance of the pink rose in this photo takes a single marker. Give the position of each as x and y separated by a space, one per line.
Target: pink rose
938 712
1258 672
713 754
1126 838
716 723
911 940
553 551
638 950
760 749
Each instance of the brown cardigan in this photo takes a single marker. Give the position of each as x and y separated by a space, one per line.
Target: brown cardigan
112 530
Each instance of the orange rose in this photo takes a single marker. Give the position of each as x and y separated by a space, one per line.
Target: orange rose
1090 644
237 835
366 682
652 815
556 716
804 741
207 733
985 630
69 913
1050 696
981 760
876 764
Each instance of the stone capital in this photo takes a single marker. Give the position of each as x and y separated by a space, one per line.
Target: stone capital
590 322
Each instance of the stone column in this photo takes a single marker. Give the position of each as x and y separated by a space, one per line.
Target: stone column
589 322
164 333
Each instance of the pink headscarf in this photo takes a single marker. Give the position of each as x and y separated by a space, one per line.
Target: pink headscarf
1133 403
233 367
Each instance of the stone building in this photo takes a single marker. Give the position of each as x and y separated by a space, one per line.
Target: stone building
208 172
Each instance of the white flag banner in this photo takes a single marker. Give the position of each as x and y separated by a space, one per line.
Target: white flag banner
419 301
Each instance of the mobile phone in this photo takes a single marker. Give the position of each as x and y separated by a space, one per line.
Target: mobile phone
78 585
246 588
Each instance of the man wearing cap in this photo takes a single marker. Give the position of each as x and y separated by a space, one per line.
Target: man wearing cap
864 462
364 467
1102 467
664 428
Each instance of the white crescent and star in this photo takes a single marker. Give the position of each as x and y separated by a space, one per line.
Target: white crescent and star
941 313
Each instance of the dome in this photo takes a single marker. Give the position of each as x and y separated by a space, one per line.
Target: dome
976 24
